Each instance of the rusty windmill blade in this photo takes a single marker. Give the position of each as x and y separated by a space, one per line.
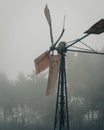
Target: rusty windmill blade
42 62
54 65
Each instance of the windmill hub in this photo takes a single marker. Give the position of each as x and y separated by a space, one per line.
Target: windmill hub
61 47
52 48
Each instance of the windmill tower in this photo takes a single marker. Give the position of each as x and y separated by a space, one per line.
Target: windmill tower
56 64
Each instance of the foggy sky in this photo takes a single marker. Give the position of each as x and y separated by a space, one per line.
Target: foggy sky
24 31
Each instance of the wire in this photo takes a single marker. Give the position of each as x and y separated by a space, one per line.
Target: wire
87 46
80 48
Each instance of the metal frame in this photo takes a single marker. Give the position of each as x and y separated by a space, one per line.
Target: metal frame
61 114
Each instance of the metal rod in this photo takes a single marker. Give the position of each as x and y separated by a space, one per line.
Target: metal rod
59 80
64 22
59 37
66 97
87 46
51 34
61 115
77 40
90 52
80 48
63 30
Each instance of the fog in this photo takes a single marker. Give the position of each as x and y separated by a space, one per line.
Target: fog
24 105
24 32
24 35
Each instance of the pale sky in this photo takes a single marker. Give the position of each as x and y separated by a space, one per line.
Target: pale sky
24 31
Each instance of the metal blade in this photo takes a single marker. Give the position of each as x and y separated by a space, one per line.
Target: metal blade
97 28
48 17
47 14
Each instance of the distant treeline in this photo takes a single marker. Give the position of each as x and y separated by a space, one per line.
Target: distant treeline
24 106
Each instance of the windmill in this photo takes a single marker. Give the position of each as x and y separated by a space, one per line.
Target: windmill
56 64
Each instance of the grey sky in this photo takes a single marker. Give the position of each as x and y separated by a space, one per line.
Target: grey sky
24 31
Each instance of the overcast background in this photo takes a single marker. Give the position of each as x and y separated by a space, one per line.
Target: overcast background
24 31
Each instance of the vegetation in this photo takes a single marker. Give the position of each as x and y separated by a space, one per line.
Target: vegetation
24 106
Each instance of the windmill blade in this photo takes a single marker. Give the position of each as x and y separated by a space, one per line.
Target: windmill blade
47 14
53 73
48 17
97 28
42 62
